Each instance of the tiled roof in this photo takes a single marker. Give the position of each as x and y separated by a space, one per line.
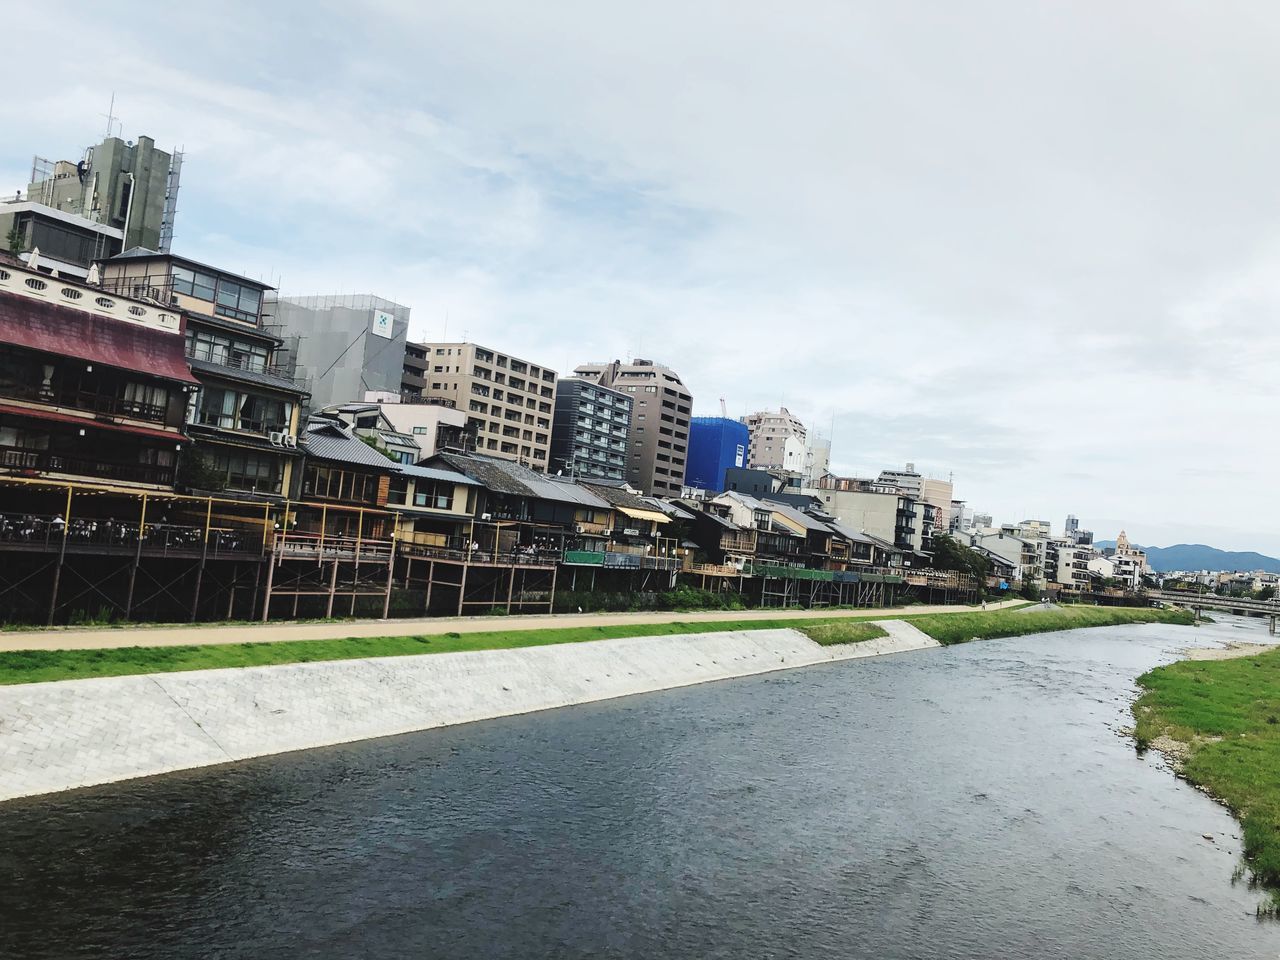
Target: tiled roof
245 376
434 473
506 476
329 440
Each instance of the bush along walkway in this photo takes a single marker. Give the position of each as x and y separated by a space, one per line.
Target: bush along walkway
1218 721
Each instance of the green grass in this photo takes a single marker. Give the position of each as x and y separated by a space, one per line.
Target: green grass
953 628
1228 714
830 633
34 666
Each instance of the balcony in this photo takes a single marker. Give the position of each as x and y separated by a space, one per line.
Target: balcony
105 404
42 461
97 535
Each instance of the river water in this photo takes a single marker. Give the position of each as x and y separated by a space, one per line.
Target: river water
977 801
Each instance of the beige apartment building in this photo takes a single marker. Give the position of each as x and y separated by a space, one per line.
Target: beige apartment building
508 401
658 442
778 442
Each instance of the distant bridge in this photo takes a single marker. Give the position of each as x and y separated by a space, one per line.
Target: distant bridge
1212 601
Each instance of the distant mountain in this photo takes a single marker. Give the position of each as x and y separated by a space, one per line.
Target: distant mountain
1197 556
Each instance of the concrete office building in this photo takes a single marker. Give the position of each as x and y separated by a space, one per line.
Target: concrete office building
340 347
779 442
937 493
716 445
509 402
589 430
118 196
659 422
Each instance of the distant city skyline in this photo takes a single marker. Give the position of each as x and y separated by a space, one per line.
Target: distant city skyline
954 236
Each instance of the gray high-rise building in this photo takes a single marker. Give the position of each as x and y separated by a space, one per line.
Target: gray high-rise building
589 430
340 347
118 196
659 421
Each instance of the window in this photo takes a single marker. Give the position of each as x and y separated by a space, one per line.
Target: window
192 283
238 301
332 483
233 410
436 494
248 472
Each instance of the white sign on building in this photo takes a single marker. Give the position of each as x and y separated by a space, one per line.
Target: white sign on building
383 324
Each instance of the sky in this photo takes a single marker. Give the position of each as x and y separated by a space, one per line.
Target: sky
1034 247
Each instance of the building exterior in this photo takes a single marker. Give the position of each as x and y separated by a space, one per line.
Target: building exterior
339 348
434 423
778 443
660 420
716 444
1026 553
937 493
413 377
817 459
244 418
589 430
61 241
509 402
879 509
117 196
90 385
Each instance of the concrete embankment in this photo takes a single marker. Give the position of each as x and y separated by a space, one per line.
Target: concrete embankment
74 733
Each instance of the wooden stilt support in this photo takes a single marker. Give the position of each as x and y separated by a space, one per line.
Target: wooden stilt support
62 557
137 558
431 580
511 586
333 588
462 587
204 556
271 576
391 569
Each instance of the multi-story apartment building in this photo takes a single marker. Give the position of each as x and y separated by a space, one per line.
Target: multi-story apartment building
778 442
91 386
659 421
879 509
117 196
509 402
414 374
589 430
244 418
928 490
339 348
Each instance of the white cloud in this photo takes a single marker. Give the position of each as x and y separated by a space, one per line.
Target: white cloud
1032 245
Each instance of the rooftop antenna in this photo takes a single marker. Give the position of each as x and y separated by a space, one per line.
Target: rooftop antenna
112 119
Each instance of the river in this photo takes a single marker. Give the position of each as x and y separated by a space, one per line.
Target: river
977 801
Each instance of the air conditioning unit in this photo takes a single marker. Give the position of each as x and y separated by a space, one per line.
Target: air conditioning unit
290 440
277 438
579 528
486 516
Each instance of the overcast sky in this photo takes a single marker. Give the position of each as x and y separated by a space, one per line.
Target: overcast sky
1035 245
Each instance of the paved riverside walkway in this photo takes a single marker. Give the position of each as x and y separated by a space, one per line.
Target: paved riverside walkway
142 635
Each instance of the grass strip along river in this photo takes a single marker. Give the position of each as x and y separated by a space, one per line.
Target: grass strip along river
1218 721
34 666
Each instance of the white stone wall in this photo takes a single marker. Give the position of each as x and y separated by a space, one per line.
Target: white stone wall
57 736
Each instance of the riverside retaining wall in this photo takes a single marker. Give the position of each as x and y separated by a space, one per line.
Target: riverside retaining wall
73 733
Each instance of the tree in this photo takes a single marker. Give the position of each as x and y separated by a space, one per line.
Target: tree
1266 593
197 472
14 240
951 554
